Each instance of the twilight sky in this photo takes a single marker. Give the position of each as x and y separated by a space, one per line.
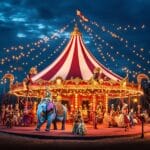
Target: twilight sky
118 35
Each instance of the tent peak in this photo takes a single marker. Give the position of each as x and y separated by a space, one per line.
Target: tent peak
76 31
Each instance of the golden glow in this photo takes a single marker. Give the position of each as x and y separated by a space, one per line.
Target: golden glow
124 84
59 81
106 100
135 100
76 31
94 103
76 101
59 98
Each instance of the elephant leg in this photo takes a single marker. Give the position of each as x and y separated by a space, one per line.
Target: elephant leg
39 124
49 121
64 121
63 124
55 124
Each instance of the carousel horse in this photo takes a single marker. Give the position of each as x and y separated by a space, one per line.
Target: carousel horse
123 119
120 120
49 111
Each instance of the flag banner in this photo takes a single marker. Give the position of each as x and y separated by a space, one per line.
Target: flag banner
82 16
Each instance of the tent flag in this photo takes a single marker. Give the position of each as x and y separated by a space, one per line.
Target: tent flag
78 13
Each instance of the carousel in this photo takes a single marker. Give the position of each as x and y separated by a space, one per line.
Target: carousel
78 80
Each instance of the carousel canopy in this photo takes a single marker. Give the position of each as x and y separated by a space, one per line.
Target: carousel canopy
75 61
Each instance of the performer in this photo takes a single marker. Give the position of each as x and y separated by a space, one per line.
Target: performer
85 113
126 119
118 111
79 126
99 112
9 116
32 72
112 109
131 117
16 115
96 74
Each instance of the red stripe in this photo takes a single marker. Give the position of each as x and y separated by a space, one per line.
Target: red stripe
87 60
75 67
57 66
103 66
89 63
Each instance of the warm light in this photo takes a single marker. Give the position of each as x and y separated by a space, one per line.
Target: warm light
59 98
58 81
124 83
135 100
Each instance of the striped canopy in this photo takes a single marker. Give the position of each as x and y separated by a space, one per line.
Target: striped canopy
75 61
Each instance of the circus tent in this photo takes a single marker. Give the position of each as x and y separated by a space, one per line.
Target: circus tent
75 61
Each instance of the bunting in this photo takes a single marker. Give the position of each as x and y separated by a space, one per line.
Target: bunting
82 16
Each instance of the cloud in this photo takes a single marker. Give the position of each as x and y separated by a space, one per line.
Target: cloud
21 35
2 18
41 26
25 21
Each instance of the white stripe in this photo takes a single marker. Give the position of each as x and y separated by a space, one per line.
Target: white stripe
85 71
65 68
43 72
104 70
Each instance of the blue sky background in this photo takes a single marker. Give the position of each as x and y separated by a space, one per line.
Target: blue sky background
24 22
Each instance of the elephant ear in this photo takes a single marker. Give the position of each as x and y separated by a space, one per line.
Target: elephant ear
50 107
59 109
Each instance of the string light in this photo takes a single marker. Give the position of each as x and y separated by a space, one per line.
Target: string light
89 31
32 49
128 27
140 56
32 46
121 39
52 53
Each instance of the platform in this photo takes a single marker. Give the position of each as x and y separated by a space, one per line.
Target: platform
101 132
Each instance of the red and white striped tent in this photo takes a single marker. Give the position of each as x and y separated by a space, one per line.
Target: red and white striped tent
75 61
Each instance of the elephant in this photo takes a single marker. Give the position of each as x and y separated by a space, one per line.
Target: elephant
61 115
52 112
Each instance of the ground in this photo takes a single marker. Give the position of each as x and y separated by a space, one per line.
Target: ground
8 141
96 139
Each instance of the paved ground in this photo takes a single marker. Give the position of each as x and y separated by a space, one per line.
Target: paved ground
103 138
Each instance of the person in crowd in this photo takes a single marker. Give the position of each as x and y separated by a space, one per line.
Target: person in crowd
78 125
